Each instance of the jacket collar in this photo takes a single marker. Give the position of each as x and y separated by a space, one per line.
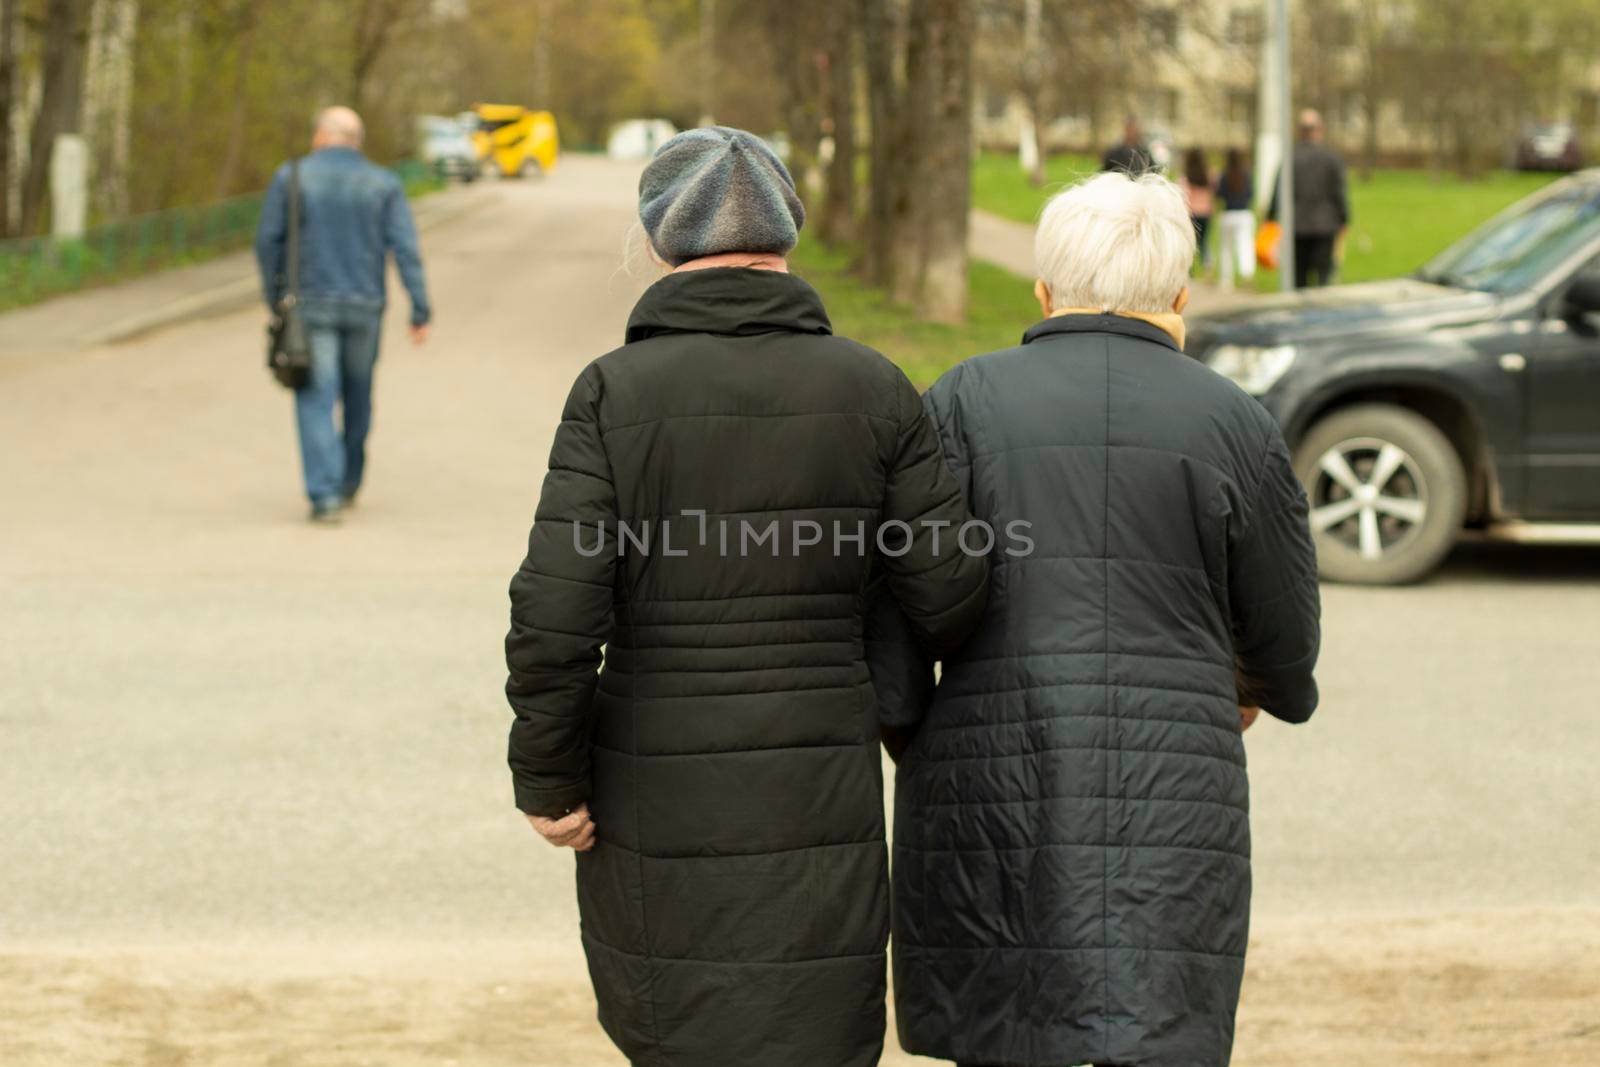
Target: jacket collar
1091 323
338 151
728 300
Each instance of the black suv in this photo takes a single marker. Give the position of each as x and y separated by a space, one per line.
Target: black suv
1466 396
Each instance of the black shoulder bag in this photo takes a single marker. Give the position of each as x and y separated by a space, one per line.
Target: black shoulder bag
288 348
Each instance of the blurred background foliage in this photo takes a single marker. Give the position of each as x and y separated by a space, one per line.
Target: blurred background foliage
189 100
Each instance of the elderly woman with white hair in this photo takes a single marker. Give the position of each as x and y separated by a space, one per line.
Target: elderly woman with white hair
1072 845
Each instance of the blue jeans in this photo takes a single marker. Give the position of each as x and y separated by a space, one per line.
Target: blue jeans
344 350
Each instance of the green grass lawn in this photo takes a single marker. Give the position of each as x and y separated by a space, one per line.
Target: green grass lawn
1001 307
1000 187
1400 217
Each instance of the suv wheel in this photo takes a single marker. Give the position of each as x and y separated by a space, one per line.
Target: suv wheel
1388 494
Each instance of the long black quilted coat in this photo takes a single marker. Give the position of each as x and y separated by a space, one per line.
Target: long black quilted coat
735 911
1072 844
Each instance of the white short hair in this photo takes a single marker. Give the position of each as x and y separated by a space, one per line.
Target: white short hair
1115 243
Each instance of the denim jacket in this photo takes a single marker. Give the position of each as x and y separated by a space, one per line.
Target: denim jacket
352 214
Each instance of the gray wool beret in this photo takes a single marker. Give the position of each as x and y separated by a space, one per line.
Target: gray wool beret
718 189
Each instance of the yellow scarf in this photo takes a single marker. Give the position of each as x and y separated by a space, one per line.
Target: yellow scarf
1168 322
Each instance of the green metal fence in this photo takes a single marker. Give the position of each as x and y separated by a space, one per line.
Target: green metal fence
33 268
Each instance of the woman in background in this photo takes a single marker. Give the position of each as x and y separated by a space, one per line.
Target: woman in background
1238 228
1196 186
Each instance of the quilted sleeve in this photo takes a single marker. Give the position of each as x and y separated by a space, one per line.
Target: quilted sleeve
561 613
942 589
1273 594
901 668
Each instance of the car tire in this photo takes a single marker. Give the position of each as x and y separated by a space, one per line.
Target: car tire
1400 530
530 170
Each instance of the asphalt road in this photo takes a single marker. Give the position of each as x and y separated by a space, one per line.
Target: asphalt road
223 726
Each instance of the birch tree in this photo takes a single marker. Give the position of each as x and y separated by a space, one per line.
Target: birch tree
8 105
66 40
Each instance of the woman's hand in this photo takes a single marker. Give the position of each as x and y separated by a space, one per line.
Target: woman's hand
1247 717
574 830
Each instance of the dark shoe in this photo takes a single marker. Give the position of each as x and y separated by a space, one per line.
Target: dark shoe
327 514
348 500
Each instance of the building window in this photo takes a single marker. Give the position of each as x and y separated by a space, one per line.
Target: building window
1162 25
1586 109
1350 102
1241 106
1341 29
1414 110
1161 105
1244 27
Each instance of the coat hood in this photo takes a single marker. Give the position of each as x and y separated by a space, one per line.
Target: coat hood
735 301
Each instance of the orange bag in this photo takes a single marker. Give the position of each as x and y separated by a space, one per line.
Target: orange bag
1268 238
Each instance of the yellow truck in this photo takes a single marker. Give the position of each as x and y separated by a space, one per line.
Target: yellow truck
514 141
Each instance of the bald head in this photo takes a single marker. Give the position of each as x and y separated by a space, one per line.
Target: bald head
1311 125
337 126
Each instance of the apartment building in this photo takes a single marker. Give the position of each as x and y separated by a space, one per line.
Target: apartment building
1191 70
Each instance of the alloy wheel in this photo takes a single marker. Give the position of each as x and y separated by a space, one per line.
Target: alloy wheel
1369 494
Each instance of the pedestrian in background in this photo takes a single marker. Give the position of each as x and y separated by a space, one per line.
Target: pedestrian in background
1321 204
720 774
1072 835
1129 155
353 215
1236 231
1197 194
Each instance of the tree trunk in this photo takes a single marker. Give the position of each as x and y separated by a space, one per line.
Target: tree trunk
108 102
233 155
168 184
66 41
933 154
877 31
839 213
8 82
375 24
802 120
948 163
541 53
800 47
1033 76
912 132
1041 156
708 62
1372 103
1369 152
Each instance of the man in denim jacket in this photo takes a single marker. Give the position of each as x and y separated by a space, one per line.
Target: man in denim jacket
352 214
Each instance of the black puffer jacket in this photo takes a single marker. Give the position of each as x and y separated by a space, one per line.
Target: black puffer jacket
735 911
1072 846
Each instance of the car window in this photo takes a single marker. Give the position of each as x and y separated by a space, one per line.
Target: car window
1518 247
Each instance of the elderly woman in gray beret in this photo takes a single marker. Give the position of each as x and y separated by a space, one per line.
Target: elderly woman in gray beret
693 712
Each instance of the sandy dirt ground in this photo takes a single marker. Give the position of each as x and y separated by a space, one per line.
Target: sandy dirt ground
1512 989
255 802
